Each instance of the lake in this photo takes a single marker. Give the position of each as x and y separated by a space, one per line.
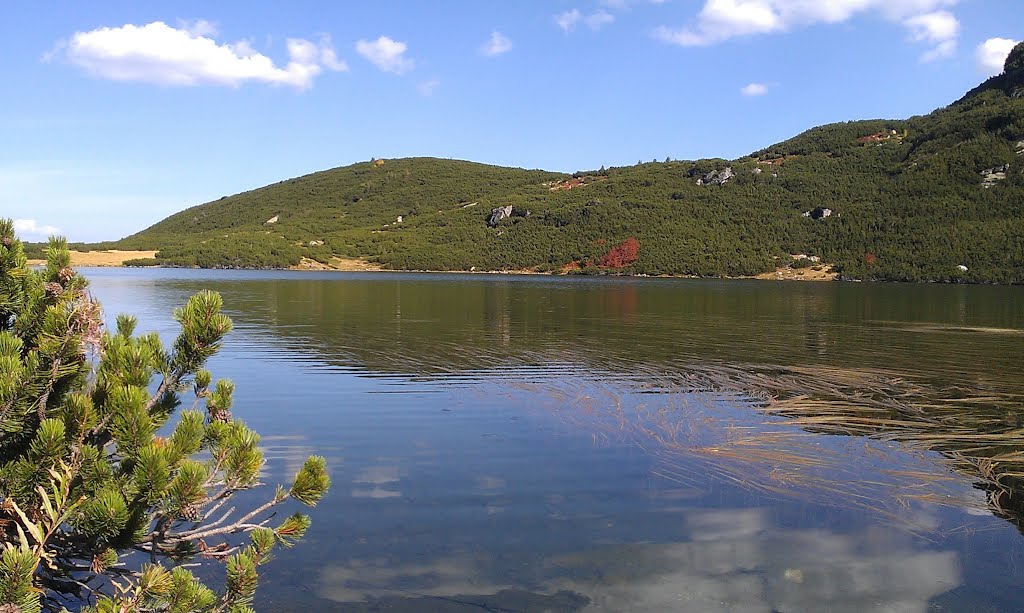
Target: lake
534 443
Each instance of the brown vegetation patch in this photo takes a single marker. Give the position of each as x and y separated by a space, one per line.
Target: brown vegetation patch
337 263
778 161
113 257
572 183
824 272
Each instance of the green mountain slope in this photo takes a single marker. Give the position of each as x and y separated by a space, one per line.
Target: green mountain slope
915 199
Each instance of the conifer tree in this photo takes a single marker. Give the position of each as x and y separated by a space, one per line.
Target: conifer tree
93 464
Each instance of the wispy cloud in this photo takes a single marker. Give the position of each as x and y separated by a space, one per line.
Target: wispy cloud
754 89
429 87
199 27
722 20
598 20
595 20
187 55
386 54
568 20
991 54
939 29
496 45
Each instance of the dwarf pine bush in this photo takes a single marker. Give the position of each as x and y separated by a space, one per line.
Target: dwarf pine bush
97 456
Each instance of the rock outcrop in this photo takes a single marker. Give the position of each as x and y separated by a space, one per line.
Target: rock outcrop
818 213
497 214
505 212
991 176
717 177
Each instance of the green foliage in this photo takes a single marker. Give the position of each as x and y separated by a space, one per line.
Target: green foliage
1015 59
141 262
17 570
311 482
84 471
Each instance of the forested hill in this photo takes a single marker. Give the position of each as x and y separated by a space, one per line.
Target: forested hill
936 197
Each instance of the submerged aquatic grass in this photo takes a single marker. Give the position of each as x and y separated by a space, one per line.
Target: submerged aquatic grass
872 439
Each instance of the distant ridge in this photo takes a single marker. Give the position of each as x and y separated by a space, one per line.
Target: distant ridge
939 197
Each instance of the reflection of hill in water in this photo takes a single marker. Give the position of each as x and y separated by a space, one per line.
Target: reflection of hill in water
430 324
937 368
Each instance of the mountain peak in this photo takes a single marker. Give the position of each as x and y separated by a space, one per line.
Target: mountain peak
1015 60
1010 81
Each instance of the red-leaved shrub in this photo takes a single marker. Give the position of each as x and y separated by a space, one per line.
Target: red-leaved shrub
622 255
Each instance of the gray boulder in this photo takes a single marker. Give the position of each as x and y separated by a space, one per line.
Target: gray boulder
497 214
990 176
717 177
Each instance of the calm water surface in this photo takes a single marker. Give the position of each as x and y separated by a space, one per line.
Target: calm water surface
503 443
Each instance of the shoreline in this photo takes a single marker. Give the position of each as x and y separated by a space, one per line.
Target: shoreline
115 258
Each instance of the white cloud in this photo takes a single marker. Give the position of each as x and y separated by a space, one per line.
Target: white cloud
598 20
991 54
933 27
595 21
199 27
939 28
386 54
498 44
158 53
329 57
754 89
946 48
427 88
301 51
721 20
568 20
30 229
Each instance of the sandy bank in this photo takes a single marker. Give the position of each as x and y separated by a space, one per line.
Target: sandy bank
336 263
823 273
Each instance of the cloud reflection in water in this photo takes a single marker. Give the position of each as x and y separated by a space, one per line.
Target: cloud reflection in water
736 560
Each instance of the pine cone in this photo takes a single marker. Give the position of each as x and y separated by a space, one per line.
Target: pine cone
53 289
220 416
7 241
10 608
66 274
190 512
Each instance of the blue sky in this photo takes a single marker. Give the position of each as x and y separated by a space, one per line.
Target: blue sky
117 114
